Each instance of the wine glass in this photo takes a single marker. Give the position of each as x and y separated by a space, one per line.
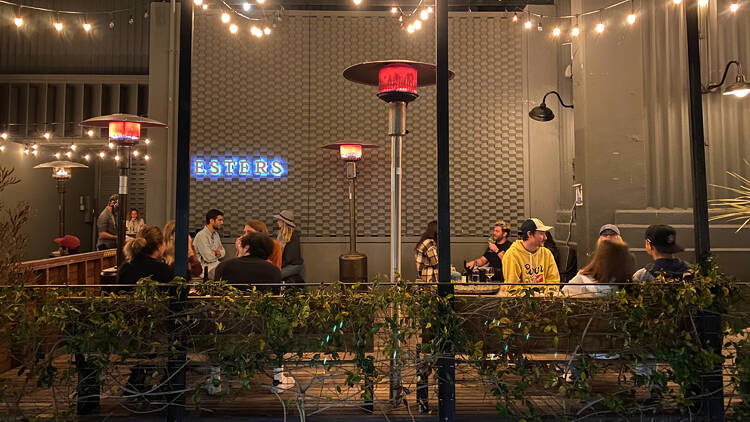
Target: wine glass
490 273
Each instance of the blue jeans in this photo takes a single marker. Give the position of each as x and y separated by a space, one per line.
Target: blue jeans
290 270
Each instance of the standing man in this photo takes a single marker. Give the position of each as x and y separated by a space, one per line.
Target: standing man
106 225
498 245
207 242
527 260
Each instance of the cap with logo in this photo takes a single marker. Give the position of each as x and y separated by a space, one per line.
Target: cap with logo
532 225
663 238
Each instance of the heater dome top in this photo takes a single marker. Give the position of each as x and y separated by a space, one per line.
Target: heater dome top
367 73
103 121
60 164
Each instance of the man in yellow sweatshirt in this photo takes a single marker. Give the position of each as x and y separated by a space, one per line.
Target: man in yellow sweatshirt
527 260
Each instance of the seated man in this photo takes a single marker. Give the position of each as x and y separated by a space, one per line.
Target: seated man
498 244
252 266
527 260
661 246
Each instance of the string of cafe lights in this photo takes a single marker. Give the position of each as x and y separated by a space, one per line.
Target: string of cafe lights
260 26
58 23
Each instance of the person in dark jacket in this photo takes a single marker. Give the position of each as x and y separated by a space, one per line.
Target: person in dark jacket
144 258
661 245
289 238
251 267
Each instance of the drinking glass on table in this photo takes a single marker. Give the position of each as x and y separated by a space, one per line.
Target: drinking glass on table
490 273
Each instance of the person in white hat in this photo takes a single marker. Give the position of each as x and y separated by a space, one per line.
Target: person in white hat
289 239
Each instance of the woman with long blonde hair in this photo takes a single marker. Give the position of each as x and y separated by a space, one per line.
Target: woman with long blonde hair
289 239
612 263
194 264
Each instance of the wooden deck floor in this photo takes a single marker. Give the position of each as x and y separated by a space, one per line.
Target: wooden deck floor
314 387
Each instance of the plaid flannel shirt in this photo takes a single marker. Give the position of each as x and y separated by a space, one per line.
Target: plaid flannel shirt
426 256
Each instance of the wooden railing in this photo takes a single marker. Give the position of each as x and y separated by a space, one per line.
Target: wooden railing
83 268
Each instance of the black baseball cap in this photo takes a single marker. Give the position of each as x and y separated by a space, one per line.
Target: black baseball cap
663 238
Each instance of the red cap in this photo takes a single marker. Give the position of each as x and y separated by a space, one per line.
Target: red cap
68 241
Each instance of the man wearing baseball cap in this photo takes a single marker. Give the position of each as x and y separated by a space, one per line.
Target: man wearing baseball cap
661 245
527 260
69 244
609 232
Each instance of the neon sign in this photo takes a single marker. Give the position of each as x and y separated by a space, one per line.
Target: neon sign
234 167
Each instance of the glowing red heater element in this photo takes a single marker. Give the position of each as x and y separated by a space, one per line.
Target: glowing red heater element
397 78
350 152
124 131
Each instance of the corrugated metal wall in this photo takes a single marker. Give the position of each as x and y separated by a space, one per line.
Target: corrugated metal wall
724 37
38 48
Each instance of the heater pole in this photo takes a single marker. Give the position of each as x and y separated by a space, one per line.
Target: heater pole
396 130
61 206
351 174
124 151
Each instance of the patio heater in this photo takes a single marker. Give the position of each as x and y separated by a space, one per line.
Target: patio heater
352 265
397 82
61 174
125 132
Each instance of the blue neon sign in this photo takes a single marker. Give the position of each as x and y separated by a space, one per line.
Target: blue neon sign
236 167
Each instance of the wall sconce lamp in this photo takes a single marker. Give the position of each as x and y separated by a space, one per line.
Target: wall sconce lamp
542 113
739 88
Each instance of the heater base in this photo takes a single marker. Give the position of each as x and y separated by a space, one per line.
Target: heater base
353 267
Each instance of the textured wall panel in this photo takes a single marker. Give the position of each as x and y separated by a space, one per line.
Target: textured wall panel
285 96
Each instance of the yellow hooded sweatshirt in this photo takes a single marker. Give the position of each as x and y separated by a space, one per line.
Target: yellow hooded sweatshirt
522 266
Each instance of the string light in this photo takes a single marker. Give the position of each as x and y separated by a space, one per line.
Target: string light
429 9
46 135
539 26
417 24
256 31
410 29
146 157
676 1
35 147
57 155
86 157
147 141
2 148
18 21
111 145
357 2
394 10
26 150
267 31
101 154
198 2
260 1
135 153
117 158
734 7
73 147
111 25
233 28
600 27
631 18
205 6
4 135
90 132
86 26
225 17
556 32
527 25
702 2
515 17
424 15
131 20
58 26
69 154
34 153
246 6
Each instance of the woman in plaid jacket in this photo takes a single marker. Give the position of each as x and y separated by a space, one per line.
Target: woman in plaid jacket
426 254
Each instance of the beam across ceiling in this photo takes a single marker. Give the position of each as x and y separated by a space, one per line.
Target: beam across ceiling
383 5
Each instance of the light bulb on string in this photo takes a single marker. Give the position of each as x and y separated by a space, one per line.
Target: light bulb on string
357 2
198 2
131 20
600 27
734 7
58 26
26 150
410 29
246 6
394 10
233 28
556 32
539 26
46 135
400 18
69 154
4 135
515 17
417 24
527 25
117 158
267 31
424 15
135 153
2 148
260 1
575 30
18 20
145 14
111 25
676 1
86 26
35 147
57 155
205 6
90 132
35 153
147 141
146 157
256 31
73 147
86 157
631 18
429 9
111 145
702 2
101 154
225 17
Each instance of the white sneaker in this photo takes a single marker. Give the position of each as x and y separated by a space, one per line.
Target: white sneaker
282 382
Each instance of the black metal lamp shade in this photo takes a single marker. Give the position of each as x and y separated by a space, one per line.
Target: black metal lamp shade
542 113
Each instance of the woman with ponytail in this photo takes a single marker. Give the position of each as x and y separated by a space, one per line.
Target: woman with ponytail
144 255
